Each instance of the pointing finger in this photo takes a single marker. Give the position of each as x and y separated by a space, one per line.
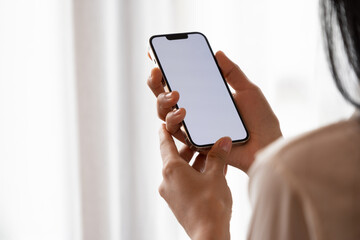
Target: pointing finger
168 148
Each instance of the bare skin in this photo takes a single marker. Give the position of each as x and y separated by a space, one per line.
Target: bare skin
199 195
261 122
191 194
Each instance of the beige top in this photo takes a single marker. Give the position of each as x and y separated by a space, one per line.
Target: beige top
308 187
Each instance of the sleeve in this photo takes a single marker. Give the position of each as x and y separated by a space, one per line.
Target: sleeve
277 207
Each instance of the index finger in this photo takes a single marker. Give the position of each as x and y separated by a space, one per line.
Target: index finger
232 73
168 148
155 82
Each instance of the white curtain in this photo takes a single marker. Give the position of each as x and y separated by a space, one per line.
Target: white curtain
79 152
38 139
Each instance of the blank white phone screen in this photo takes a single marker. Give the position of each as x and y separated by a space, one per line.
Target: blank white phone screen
189 68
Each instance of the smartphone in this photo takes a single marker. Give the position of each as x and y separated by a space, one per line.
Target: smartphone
189 66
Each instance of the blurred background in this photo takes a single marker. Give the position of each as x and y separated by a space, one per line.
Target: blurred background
79 155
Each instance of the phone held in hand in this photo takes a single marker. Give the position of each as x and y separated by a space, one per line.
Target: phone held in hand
189 66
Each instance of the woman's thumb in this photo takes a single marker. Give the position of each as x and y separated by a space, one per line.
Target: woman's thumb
216 157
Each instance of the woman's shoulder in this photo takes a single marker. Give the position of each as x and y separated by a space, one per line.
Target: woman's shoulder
318 172
326 146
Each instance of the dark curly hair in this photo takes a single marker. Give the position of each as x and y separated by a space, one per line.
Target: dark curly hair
341 28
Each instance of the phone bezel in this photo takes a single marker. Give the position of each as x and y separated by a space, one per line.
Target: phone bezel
184 35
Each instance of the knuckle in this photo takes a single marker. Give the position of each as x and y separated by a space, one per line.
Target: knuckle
161 111
170 121
233 70
160 98
237 67
257 88
155 72
169 169
150 82
162 190
161 101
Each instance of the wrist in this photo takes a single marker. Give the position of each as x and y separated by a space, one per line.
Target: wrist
213 232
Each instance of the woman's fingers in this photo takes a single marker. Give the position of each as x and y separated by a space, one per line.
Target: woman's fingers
216 157
165 105
168 150
166 102
232 73
173 123
155 81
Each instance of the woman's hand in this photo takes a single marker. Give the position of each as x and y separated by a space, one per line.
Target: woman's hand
260 120
200 200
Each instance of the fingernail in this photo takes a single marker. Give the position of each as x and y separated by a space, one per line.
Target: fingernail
168 95
177 112
225 144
